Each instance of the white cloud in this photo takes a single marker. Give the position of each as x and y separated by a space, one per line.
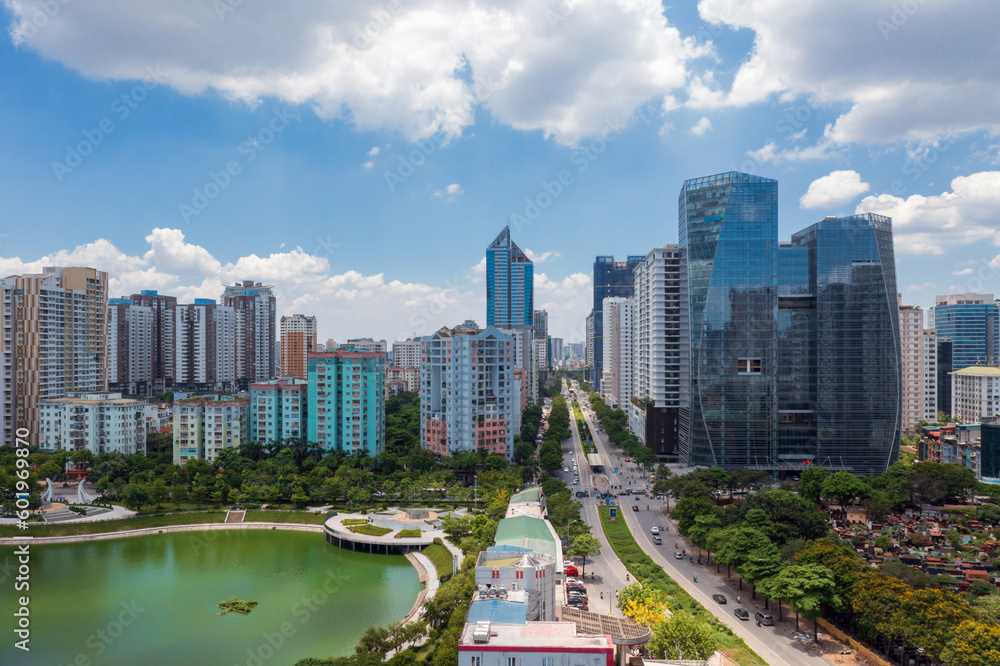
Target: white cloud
921 287
701 127
565 68
930 225
568 302
873 57
541 257
373 152
833 190
964 271
450 193
368 165
769 153
347 304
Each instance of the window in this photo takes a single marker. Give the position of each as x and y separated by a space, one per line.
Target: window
477 661
511 661
547 661
748 366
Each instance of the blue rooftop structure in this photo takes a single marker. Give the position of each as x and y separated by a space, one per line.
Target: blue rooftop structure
498 610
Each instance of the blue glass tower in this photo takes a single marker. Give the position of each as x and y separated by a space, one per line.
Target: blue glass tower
972 323
510 294
611 278
729 225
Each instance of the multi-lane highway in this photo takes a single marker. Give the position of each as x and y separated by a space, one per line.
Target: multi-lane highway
773 644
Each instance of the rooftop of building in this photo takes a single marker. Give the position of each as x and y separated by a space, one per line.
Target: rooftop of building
527 532
506 611
532 494
980 370
117 400
536 634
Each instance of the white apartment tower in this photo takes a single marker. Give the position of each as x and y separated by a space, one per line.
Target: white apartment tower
975 393
205 345
98 422
911 342
55 331
366 345
930 374
130 344
256 326
619 346
298 338
406 353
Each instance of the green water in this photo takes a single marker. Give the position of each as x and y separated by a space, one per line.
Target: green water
152 600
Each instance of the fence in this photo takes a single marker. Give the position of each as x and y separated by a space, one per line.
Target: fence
864 652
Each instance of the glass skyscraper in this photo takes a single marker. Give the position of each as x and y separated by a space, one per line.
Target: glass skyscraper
794 346
509 284
611 278
972 323
729 225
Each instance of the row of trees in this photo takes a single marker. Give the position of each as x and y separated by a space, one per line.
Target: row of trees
615 424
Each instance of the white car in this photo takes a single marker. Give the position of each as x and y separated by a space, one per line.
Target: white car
576 481
565 469
654 530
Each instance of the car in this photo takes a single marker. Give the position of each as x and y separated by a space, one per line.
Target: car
678 555
582 493
576 600
658 541
742 613
565 469
628 460
719 598
655 529
571 570
763 618
576 481
576 591
623 492
578 604
635 507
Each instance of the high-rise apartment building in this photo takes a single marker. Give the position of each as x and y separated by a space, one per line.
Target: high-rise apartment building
588 353
619 344
510 299
97 422
55 331
524 359
975 393
205 425
611 279
298 338
163 333
367 344
346 402
205 345
256 326
659 410
406 353
130 346
557 348
911 343
278 410
972 323
466 392
795 348
930 340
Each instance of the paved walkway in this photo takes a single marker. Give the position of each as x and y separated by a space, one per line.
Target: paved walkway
389 520
101 536
94 515
457 556
427 574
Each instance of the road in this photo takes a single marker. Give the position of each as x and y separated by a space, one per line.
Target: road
773 644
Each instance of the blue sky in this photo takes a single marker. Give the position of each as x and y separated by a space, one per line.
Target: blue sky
360 156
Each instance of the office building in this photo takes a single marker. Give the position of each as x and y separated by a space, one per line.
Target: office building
205 425
55 330
930 378
346 403
524 362
298 338
972 323
278 410
658 410
975 393
911 342
619 345
97 422
205 346
540 324
130 346
163 334
795 348
557 349
509 284
367 344
989 468
256 328
944 370
406 353
611 279
588 354
466 392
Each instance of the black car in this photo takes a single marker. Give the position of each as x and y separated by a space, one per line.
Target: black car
583 493
635 507
763 618
742 613
719 598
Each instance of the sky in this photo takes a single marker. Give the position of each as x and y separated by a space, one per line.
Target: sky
360 156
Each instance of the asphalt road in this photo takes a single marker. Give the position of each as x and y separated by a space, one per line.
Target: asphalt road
773 644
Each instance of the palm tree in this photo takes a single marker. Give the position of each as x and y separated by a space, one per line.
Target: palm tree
252 450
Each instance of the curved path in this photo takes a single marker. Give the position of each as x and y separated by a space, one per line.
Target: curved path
146 531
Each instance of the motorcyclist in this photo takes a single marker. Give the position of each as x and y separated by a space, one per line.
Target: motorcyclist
696 579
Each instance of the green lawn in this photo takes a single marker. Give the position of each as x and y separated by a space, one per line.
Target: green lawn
409 534
441 557
370 530
301 517
355 521
68 529
650 573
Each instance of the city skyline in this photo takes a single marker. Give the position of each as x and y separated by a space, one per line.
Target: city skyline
318 173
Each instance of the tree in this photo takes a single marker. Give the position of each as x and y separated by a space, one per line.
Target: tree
974 643
687 510
136 495
683 637
988 514
876 598
929 617
457 528
842 560
988 605
883 542
703 526
375 640
877 505
642 604
760 564
808 589
843 487
178 494
741 541
910 575
810 482
585 546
